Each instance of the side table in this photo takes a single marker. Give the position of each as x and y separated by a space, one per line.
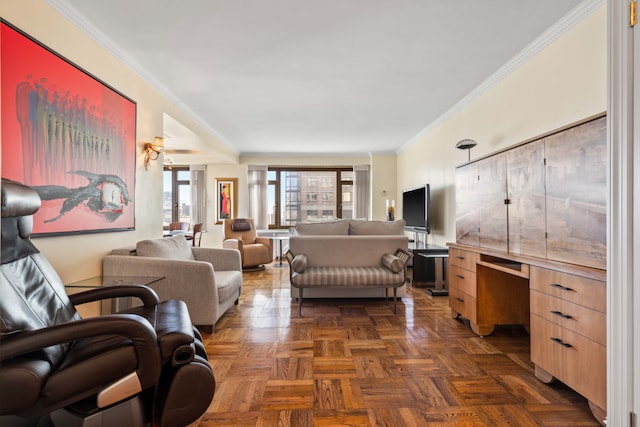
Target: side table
109 305
279 239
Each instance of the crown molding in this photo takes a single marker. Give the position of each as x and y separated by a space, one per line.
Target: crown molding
88 28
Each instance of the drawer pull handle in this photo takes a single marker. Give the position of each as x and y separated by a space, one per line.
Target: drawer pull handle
564 288
559 341
459 299
561 314
459 257
459 276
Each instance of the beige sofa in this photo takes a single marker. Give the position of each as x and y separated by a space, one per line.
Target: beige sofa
347 259
208 280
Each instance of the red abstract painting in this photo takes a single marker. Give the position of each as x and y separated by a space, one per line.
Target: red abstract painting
68 135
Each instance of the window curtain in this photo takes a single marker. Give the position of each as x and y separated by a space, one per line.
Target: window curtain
361 191
258 196
198 194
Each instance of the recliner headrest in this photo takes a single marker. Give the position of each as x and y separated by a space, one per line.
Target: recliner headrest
19 203
18 199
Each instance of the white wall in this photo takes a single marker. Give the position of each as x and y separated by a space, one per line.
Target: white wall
564 83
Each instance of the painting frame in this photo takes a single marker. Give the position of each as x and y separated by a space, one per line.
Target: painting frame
68 135
226 198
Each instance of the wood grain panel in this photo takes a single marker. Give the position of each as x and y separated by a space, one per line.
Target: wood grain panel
526 193
571 358
576 179
579 290
492 212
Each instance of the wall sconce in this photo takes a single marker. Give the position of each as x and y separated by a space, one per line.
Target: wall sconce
152 150
466 144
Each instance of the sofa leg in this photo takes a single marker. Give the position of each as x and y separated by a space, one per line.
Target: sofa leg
395 294
300 290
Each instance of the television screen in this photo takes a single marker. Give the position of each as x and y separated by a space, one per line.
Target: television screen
415 208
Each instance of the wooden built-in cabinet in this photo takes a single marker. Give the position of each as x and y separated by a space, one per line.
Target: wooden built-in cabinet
531 249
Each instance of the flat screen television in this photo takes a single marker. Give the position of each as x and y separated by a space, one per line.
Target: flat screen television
415 208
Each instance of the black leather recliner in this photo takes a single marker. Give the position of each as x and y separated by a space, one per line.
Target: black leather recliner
143 366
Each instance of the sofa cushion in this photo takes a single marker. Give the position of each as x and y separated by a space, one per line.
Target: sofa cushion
299 263
176 247
392 262
359 227
340 227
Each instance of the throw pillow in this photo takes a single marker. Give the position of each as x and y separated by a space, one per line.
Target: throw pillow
392 262
176 247
332 228
376 227
240 225
299 263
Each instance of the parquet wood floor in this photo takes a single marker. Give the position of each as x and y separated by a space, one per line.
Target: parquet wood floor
355 363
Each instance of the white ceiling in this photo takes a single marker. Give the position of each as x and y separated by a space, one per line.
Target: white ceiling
312 77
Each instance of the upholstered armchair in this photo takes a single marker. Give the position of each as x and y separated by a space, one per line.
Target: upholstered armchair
240 233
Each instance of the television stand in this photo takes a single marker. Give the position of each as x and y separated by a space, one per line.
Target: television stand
430 268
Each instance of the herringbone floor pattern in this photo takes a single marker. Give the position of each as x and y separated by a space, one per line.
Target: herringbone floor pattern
355 363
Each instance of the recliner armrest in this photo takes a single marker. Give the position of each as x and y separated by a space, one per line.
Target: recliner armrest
142 335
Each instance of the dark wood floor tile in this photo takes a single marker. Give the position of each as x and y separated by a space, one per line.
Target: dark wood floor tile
483 391
237 395
375 347
460 365
251 368
334 367
562 415
497 364
286 418
327 394
292 368
331 348
351 418
427 392
287 394
370 366
294 348
386 393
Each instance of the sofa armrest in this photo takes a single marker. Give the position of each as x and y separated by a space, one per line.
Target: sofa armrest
221 258
190 281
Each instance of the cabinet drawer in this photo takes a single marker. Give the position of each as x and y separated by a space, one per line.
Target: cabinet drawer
462 279
463 304
462 259
577 318
575 360
587 292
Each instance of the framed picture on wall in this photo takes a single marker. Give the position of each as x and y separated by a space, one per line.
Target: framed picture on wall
68 135
226 198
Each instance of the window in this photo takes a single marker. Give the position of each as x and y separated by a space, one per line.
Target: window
306 194
176 195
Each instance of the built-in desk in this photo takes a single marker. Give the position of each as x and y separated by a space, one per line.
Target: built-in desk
562 306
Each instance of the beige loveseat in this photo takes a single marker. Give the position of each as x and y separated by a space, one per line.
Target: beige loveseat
208 280
348 259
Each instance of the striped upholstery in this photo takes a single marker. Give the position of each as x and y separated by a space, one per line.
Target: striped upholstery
350 277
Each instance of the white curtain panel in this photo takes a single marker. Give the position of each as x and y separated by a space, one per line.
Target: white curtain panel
198 194
258 196
361 191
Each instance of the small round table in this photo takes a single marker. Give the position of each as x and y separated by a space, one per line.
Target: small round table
280 239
